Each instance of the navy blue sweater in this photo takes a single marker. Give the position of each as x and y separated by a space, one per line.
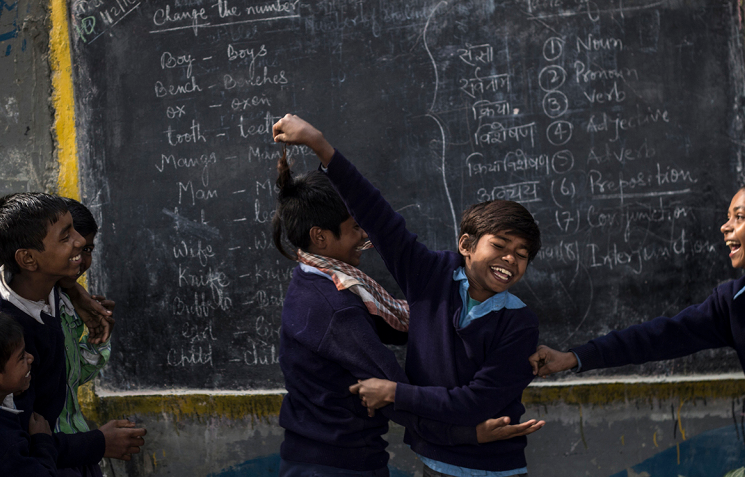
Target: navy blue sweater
717 322
328 341
458 375
22 455
46 395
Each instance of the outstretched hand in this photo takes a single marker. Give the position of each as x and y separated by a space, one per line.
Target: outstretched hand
500 429
122 439
546 361
293 130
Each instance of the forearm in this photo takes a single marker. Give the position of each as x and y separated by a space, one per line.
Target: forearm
694 329
408 261
494 390
82 448
436 432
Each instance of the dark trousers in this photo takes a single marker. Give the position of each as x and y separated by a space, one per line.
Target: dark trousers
83 471
298 469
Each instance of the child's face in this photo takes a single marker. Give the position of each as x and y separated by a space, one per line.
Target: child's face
495 264
63 246
87 253
734 230
348 247
16 377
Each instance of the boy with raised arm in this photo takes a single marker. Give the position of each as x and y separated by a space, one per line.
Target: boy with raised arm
469 339
718 322
39 247
335 320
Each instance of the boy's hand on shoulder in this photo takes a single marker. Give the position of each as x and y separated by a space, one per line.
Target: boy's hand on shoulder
38 425
97 314
500 429
293 130
546 361
122 439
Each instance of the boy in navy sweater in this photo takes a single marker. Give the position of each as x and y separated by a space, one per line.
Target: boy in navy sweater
469 339
22 454
38 247
334 322
716 323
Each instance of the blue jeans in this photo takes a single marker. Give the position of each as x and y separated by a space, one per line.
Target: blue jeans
427 472
298 469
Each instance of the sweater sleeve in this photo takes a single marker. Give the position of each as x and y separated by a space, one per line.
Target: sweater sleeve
82 448
351 341
495 387
409 261
696 328
36 457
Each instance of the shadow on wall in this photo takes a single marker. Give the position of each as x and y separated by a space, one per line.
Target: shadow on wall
715 453
269 467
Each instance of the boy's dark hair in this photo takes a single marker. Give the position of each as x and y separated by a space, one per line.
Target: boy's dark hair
500 216
11 337
24 219
82 219
305 202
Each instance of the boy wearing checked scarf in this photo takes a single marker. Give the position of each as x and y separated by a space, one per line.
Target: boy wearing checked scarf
335 321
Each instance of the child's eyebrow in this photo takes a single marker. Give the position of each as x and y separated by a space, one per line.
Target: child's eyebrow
65 230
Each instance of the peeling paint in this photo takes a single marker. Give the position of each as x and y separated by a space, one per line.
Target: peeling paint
63 101
196 407
603 394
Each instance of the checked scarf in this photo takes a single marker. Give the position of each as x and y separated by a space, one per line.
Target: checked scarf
377 301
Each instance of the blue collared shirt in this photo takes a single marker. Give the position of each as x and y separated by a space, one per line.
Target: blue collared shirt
493 303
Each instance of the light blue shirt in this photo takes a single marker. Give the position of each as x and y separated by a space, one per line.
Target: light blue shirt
493 303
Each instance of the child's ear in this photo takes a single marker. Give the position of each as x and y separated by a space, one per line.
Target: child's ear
26 260
317 237
464 245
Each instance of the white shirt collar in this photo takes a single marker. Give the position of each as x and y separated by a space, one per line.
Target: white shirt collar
30 307
10 405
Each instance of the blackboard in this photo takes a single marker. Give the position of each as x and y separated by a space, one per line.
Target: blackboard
618 124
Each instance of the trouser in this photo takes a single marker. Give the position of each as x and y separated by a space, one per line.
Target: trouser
299 469
433 473
83 471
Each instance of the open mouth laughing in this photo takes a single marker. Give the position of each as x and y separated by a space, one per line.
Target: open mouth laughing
734 246
365 246
501 274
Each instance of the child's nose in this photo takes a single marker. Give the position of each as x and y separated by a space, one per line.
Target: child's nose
78 241
509 258
30 357
726 227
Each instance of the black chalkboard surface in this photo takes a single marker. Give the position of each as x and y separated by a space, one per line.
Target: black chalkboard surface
617 123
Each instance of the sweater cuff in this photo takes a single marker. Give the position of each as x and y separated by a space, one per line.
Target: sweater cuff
404 397
81 448
42 444
587 357
460 435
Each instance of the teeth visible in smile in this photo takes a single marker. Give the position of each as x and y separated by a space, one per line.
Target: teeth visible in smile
732 244
75 258
28 374
365 246
502 271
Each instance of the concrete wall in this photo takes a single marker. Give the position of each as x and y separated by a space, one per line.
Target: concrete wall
26 141
634 428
